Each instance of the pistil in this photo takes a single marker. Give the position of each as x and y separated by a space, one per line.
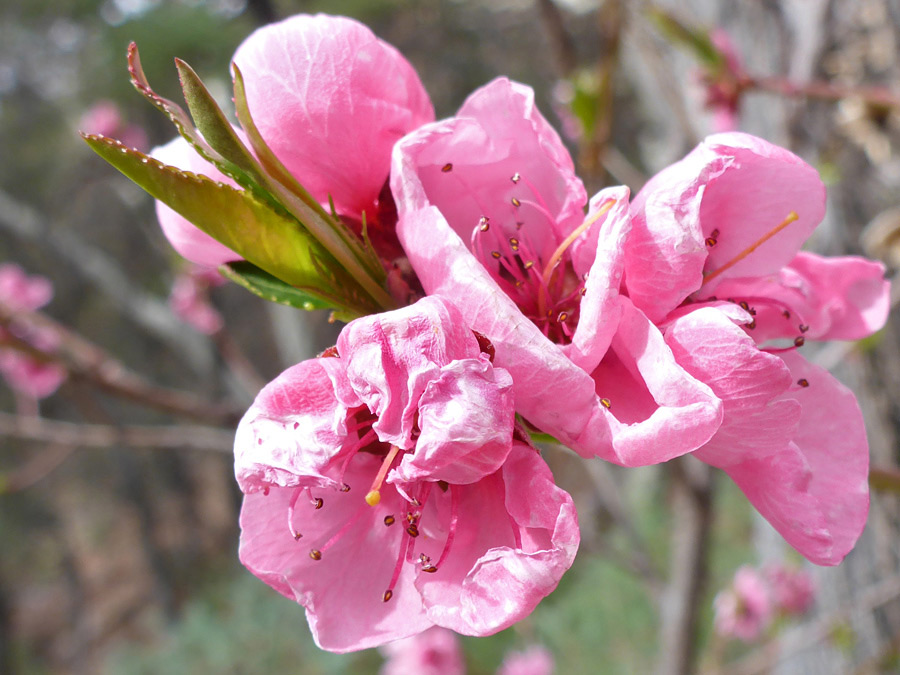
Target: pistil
373 496
791 217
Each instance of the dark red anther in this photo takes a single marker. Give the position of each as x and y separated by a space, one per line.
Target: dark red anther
803 382
485 346
516 202
315 554
330 352
431 569
388 594
412 530
803 327
799 341
389 520
447 168
319 503
345 487
752 324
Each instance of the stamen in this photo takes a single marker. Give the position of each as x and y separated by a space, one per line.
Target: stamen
791 217
315 554
447 168
516 177
451 530
294 497
389 520
554 259
484 223
373 498
803 382
606 403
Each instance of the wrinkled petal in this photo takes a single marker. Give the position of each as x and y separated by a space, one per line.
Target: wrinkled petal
292 429
391 357
650 407
834 298
497 575
601 256
331 99
189 241
342 592
466 416
703 213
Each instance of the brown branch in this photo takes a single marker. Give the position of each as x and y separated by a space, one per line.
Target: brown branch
73 435
691 521
824 91
87 361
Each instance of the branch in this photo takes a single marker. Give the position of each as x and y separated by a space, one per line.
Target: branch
691 520
85 360
73 435
823 91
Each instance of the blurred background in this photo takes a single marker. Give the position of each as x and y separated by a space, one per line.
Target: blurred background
118 527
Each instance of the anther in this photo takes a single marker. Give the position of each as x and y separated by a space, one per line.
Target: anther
297 536
752 324
786 314
345 488
803 327
528 265
496 255
315 554
514 243
562 316
319 503
583 290
389 520
331 352
711 241
516 177
484 223
516 202
606 403
744 306
799 341
803 382
447 168
388 594
431 569
412 530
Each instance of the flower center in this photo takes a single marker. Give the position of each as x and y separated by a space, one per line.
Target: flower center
540 280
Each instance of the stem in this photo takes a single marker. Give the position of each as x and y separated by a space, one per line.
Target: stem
87 361
823 91
691 521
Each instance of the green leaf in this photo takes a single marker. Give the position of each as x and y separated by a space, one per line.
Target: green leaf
695 39
261 283
267 238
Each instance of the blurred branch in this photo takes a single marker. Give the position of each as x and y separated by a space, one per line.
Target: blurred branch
824 91
108 276
638 558
564 54
73 435
86 360
764 659
37 468
691 520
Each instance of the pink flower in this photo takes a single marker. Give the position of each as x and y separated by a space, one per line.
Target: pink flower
723 84
407 501
434 652
743 611
21 293
713 260
105 118
793 589
330 99
189 300
492 217
536 660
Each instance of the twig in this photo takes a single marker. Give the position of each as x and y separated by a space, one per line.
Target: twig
691 518
36 469
85 360
823 91
104 273
74 435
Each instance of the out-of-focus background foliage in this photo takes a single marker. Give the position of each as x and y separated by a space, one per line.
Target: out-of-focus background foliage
115 559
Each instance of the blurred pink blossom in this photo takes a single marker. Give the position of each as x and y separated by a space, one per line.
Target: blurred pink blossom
24 373
434 652
535 660
743 611
105 118
189 299
793 589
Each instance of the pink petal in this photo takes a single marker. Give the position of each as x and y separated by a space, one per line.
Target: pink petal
331 99
191 242
437 651
294 428
466 415
838 298
21 292
498 572
600 255
391 357
734 186
343 591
